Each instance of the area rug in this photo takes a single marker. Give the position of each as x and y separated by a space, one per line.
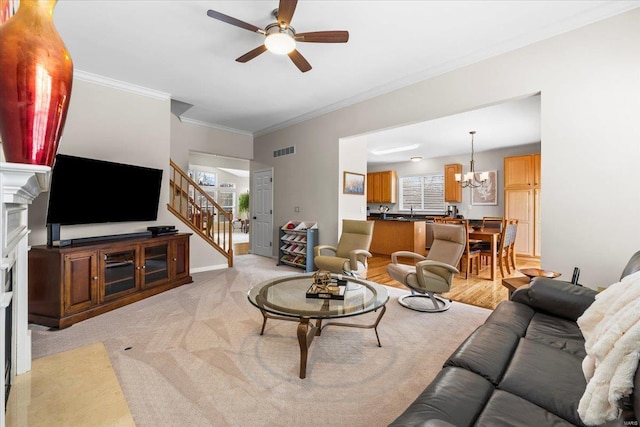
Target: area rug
80 381
193 356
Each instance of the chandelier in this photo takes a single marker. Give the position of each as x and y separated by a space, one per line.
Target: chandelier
470 179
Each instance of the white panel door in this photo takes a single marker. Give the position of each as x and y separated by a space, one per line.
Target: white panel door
262 215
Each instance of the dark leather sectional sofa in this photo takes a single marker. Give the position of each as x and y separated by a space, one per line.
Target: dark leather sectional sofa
522 367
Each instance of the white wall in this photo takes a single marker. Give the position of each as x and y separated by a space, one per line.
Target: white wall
189 138
114 125
119 125
590 90
351 206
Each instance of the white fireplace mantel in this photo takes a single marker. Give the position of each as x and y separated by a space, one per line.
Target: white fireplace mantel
19 185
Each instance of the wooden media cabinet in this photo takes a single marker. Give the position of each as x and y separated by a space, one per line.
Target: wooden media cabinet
73 283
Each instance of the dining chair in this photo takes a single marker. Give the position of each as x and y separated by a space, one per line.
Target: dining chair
507 237
470 254
490 222
512 245
493 222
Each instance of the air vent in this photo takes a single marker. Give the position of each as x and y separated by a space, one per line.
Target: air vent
287 151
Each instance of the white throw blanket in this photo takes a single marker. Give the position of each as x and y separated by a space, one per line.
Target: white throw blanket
611 328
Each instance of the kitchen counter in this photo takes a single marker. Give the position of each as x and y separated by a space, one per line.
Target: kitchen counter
398 234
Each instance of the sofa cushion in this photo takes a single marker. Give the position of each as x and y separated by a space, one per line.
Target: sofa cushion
559 333
456 396
513 316
555 297
546 376
486 351
506 409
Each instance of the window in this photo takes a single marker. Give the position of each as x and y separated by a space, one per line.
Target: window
227 199
207 179
423 193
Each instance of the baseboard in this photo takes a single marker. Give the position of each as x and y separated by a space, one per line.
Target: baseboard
209 268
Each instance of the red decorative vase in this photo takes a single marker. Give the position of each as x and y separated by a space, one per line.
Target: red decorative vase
35 84
6 10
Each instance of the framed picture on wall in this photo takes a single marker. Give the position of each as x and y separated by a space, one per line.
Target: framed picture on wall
353 183
488 193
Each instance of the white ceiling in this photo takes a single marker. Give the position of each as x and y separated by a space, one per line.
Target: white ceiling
173 47
503 125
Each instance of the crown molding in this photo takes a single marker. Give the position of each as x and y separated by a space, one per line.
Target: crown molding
150 93
120 85
214 126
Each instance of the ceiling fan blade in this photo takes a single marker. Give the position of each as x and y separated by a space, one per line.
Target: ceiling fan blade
252 54
299 60
233 21
323 37
285 12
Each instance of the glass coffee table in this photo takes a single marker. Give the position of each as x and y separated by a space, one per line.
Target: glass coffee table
285 298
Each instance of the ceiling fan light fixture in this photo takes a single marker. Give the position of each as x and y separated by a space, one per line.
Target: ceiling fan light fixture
279 40
280 37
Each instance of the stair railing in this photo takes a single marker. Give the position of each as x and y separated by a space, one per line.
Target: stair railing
197 209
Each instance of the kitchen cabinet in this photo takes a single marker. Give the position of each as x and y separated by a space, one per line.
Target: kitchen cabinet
522 171
522 201
452 189
382 187
538 223
73 283
393 235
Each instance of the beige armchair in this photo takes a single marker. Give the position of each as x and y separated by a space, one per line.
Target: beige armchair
432 274
350 257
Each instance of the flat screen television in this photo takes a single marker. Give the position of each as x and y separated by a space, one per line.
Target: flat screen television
88 191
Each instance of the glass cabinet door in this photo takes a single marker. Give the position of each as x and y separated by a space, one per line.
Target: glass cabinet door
156 264
119 272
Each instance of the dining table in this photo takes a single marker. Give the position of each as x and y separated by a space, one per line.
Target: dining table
490 235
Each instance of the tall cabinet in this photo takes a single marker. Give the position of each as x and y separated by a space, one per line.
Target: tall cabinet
522 187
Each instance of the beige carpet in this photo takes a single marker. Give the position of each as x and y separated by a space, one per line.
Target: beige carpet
193 356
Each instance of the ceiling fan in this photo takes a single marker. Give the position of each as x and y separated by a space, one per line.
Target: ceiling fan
280 37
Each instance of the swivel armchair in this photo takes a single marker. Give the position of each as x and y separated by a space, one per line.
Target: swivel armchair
432 274
351 254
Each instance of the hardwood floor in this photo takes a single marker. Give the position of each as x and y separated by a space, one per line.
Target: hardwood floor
478 290
241 248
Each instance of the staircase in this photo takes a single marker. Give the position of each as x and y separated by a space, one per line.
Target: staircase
200 212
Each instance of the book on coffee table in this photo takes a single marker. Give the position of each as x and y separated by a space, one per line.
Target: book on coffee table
335 290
